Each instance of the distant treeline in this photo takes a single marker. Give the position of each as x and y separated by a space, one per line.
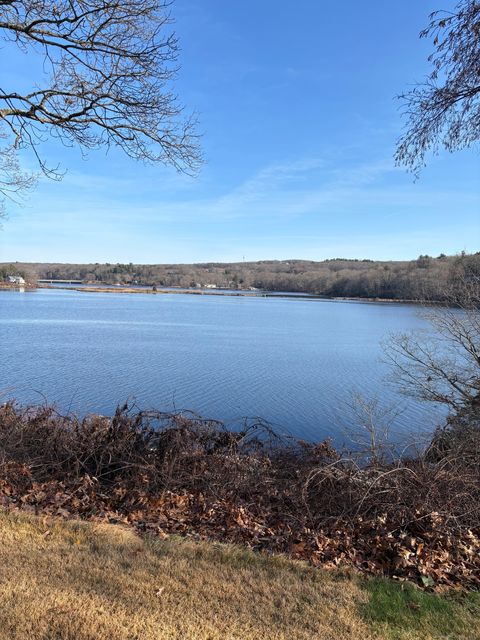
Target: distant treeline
424 278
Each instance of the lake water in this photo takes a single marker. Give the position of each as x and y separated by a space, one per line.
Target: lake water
291 362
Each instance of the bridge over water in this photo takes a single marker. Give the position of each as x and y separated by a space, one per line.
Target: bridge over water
42 281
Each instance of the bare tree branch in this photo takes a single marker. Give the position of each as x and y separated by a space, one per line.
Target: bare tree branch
443 365
109 69
14 183
445 109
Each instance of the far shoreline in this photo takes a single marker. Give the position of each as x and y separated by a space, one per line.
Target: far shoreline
232 294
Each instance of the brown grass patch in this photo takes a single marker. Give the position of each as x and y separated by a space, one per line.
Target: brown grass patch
80 581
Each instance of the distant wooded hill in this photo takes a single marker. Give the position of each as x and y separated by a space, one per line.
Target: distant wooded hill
426 277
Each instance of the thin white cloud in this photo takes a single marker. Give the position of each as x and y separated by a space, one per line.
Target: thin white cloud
317 204
306 187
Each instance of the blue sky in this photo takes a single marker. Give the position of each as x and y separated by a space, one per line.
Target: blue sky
296 103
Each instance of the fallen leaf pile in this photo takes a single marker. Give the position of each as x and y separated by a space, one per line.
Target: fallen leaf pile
192 478
433 558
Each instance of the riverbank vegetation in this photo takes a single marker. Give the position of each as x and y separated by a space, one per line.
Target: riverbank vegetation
413 518
426 278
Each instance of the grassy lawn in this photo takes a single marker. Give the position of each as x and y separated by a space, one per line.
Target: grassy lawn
81 581
403 612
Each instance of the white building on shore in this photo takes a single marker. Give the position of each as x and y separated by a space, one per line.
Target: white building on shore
14 280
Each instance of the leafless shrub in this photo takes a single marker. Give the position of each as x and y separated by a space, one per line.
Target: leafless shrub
442 363
181 473
155 452
367 424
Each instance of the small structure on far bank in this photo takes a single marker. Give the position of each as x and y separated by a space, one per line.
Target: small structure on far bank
14 280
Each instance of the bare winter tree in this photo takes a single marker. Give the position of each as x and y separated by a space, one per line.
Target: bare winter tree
443 365
445 109
108 68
